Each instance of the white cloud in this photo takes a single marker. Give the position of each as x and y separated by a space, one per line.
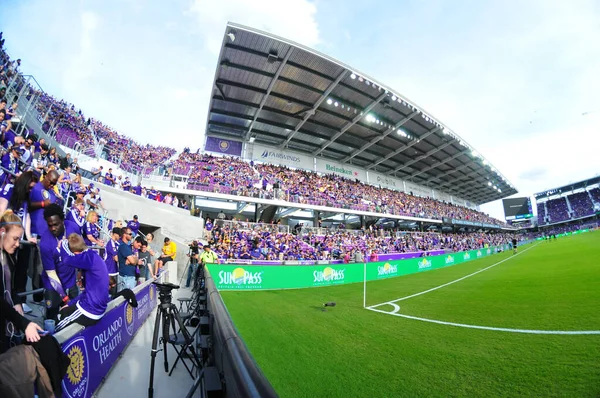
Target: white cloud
292 19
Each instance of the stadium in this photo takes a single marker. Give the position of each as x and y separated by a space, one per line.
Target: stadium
327 240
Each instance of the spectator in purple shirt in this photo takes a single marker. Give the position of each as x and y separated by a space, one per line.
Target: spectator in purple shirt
134 225
89 307
92 230
42 195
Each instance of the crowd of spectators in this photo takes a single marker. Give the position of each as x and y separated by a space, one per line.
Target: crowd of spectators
235 176
582 204
258 241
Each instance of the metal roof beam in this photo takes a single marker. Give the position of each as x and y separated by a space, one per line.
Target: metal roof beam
314 108
351 123
433 166
419 158
380 137
402 148
269 89
438 178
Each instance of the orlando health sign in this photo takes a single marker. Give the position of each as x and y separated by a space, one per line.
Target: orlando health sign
94 350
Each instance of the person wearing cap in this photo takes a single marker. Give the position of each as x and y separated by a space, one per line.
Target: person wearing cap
126 185
134 225
109 178
10 162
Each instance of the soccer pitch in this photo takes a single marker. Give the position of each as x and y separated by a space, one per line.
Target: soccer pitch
482 335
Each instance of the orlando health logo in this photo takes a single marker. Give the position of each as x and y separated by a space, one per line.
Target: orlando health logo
424 263
387 269
466 256
128 316
479 254
449 260
328 275
76 381
240 277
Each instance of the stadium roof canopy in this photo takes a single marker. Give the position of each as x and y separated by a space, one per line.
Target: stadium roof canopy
275 92
568 187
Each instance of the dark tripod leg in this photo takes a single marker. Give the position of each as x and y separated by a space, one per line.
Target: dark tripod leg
154 351
165 318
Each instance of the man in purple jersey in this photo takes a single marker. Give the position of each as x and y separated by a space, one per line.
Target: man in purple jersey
59 281
89 307
134 225
42 195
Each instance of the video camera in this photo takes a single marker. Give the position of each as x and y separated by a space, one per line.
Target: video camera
165 287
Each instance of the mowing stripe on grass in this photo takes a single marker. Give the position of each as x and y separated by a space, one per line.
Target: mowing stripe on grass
496 329
396 310
454 281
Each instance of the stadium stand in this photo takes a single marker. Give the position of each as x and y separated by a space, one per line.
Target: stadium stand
581 204
234 241
557 210
238 177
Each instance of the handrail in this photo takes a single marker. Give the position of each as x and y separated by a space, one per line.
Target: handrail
242 376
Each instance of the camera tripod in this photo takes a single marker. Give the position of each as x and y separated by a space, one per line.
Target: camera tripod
168 313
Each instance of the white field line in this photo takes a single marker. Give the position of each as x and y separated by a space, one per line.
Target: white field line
463 325
396 309
454 281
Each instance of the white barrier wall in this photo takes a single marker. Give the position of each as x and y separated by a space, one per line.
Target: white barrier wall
175 221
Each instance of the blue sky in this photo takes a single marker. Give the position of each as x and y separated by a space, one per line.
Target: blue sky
512 78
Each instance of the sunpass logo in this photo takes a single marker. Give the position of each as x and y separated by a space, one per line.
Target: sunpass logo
340 170
449 260
240 277
279 156
387 269
424 264
328 275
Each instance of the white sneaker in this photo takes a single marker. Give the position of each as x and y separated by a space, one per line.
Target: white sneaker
26 309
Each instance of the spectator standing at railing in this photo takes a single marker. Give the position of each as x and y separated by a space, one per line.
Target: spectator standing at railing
91 234
77 214
126 185
112 259
75 166
134 225
128 261
92 200
42 195
109 178
40 159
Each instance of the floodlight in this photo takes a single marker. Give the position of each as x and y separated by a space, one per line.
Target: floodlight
252 139
489 184
353 76
329 101
231 36
335 103
394 98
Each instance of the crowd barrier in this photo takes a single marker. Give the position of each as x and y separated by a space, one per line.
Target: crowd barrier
254 277
94 350
579 231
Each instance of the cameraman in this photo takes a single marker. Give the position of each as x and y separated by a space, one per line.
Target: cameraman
193 254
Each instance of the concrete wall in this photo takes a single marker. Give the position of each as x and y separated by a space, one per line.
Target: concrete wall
172 222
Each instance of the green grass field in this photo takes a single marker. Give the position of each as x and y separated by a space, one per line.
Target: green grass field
349 351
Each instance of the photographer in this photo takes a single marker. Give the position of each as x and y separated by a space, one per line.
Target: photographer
193 254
